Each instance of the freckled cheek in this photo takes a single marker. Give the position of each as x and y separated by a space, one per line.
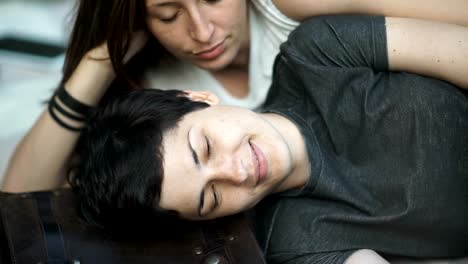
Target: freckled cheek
170 39
236 21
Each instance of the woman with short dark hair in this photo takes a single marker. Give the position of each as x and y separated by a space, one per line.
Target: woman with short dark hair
343 160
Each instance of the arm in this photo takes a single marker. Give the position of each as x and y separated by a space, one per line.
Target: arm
365 256
42 157
428 261
450 11
428 48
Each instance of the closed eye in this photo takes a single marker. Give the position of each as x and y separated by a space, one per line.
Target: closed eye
165 12
212 1
201 205
216 198
169 19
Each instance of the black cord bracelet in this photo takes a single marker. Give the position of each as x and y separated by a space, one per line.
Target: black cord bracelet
72 103
64 112
60 122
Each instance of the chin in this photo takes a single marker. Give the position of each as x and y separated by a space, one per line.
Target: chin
212 65
217 64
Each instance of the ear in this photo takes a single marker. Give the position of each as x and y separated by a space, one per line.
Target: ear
202 96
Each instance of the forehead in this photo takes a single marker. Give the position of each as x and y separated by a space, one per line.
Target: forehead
179 186
204 117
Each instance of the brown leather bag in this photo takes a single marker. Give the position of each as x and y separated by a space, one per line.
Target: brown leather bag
46 227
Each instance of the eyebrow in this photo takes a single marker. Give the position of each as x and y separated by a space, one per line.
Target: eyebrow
169 3
202 201
194 153
197 162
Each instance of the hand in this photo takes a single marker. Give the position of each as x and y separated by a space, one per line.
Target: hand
137 42
95 72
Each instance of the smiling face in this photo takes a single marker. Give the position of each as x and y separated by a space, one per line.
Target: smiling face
222 160
209 34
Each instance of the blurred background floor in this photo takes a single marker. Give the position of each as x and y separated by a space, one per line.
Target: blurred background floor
28 75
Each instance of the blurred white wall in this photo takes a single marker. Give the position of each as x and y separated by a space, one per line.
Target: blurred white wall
26 80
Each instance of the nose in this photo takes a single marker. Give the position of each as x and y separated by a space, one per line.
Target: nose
229 168
201 28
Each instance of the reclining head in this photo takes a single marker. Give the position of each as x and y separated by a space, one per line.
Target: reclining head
167 153
121 160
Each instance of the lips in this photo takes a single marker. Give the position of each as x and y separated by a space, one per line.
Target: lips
212 52
260 163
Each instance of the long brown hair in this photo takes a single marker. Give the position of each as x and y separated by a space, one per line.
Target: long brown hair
113 21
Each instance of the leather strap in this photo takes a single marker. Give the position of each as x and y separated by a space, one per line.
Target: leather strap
55 246
215 246
213 240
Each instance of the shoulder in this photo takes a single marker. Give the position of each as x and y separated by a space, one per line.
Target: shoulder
336 32
287 7
290 9
270 11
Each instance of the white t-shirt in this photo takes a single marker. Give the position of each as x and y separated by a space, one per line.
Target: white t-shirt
268 29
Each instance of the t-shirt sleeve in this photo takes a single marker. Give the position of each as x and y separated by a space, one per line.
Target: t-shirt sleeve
340 41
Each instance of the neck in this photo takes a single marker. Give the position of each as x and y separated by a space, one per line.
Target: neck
241 61
300 169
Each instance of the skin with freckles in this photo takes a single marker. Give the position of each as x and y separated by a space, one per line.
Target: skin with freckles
209 34
222 160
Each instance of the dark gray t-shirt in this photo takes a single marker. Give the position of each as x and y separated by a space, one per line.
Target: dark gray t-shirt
388 151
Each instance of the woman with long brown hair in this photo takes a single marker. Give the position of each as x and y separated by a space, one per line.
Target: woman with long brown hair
226 46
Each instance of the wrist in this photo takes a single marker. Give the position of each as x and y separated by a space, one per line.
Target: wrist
98 59
90 80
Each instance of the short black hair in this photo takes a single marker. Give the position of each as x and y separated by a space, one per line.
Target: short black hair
120 171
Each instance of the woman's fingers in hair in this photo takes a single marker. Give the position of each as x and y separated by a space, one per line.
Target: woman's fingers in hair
100 52
202 96
137 42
